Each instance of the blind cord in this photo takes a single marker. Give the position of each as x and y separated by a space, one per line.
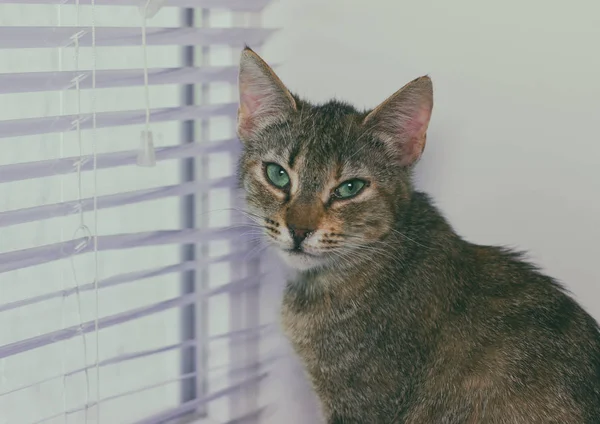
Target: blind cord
63 274
146 155
82 231
95 172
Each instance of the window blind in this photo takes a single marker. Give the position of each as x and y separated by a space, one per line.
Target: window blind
129 281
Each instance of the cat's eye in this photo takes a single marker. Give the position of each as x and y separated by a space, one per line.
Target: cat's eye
349 189
277 175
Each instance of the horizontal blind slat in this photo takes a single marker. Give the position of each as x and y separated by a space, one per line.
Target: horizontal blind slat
28 82
248 378
124 278
248 418
123 317
19 259
108 282
111 361
87 327
74 410
38 213
52 167
239 335
66 123
16 37
192 405
216 395
238 5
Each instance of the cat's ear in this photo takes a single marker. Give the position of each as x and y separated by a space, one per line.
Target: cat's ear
401 121
264 100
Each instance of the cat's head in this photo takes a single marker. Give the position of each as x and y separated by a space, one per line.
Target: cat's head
327 183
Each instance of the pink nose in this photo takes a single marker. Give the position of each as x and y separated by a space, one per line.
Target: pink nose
299 234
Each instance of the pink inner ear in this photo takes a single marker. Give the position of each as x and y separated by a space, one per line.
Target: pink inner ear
414 129
249 106
250 102
416 125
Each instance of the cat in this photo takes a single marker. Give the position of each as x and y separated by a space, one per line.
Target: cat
396 318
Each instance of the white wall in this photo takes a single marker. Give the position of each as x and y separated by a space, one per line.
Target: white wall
513 150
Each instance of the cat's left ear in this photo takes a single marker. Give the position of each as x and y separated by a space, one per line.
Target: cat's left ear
401 121
264 100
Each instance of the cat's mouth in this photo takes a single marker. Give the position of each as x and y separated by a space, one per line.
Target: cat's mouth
300 259
299 252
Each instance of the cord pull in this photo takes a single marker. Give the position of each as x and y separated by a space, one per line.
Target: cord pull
146 155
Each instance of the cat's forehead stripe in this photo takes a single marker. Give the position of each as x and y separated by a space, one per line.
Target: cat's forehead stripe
294 152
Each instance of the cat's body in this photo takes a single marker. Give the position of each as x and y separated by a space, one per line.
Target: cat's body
444 331
396 318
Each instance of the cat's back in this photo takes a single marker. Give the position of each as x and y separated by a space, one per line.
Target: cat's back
514 337
506 295
492 291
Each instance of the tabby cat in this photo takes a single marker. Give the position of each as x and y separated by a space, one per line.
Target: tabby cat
396 318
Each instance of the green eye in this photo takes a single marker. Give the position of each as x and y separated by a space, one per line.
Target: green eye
349 189
277 175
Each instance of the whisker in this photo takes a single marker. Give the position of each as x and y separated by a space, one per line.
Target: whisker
256 250
387 250
410 239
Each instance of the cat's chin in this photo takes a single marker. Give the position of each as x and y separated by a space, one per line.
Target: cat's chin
301 261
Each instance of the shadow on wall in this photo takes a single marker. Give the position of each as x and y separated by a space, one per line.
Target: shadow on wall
293 400
287 392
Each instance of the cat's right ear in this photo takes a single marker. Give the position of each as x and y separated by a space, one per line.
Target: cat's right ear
264 100
401 121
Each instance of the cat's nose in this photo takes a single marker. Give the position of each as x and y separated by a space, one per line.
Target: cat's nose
299 234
